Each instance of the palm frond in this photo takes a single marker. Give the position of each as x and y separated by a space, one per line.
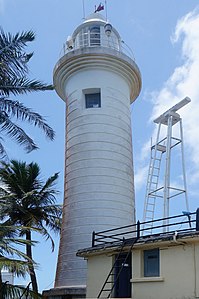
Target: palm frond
11 109
17 133
6 249
18 267
47 237
13 291
49 184
54 223
17 85
14 80
3 153
14 65
13 59
9 42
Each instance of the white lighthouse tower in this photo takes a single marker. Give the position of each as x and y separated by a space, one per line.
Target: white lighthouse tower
98 82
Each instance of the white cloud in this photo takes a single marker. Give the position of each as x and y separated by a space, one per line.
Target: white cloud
184 81
140 177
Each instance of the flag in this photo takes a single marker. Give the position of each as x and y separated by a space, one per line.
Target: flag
99 8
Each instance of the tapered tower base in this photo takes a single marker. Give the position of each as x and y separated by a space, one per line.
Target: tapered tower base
65 293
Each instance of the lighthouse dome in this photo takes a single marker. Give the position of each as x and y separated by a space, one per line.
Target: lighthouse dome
95 32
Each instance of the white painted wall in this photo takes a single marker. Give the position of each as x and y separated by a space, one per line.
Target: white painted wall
99 188
99 268
179 274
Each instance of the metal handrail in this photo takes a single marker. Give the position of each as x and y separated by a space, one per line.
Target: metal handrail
98 40
118 234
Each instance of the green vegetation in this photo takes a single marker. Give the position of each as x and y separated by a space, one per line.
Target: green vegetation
13 260
28 201
14 81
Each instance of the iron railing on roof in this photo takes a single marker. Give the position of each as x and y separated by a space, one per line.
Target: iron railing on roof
183 223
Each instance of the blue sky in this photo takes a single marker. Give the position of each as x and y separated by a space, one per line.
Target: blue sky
164 37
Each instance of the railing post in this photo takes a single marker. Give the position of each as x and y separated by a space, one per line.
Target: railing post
93 238
138 229
197 219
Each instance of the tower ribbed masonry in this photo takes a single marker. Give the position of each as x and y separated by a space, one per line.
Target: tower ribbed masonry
98 82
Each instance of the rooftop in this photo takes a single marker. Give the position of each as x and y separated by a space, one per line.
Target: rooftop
175 231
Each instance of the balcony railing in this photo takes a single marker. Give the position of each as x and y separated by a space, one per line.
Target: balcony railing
86 40
163 227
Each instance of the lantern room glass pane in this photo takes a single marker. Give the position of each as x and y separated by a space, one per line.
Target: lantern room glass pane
95 36
83 38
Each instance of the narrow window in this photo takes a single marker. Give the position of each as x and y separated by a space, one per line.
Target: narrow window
93 100
151 263
83 37
95 36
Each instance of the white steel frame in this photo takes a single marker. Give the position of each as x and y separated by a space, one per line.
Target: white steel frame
168 118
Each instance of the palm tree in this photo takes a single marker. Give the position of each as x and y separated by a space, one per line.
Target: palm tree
14 81
13 260
14 291
28 201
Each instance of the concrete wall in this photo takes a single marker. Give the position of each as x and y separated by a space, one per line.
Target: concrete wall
98 269
179 274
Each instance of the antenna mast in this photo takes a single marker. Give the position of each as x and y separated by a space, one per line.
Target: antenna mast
83 6
106 10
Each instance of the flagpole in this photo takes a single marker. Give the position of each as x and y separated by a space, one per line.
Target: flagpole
106 9
83 9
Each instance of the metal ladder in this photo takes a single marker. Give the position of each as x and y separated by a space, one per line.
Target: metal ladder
152 184
114 274
164 146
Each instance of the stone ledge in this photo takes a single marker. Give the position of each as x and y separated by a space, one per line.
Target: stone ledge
65 293
147 279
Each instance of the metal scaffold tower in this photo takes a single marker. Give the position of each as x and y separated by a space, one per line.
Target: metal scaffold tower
158 189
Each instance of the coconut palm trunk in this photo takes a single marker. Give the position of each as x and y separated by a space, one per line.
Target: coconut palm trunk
31 266
1 286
